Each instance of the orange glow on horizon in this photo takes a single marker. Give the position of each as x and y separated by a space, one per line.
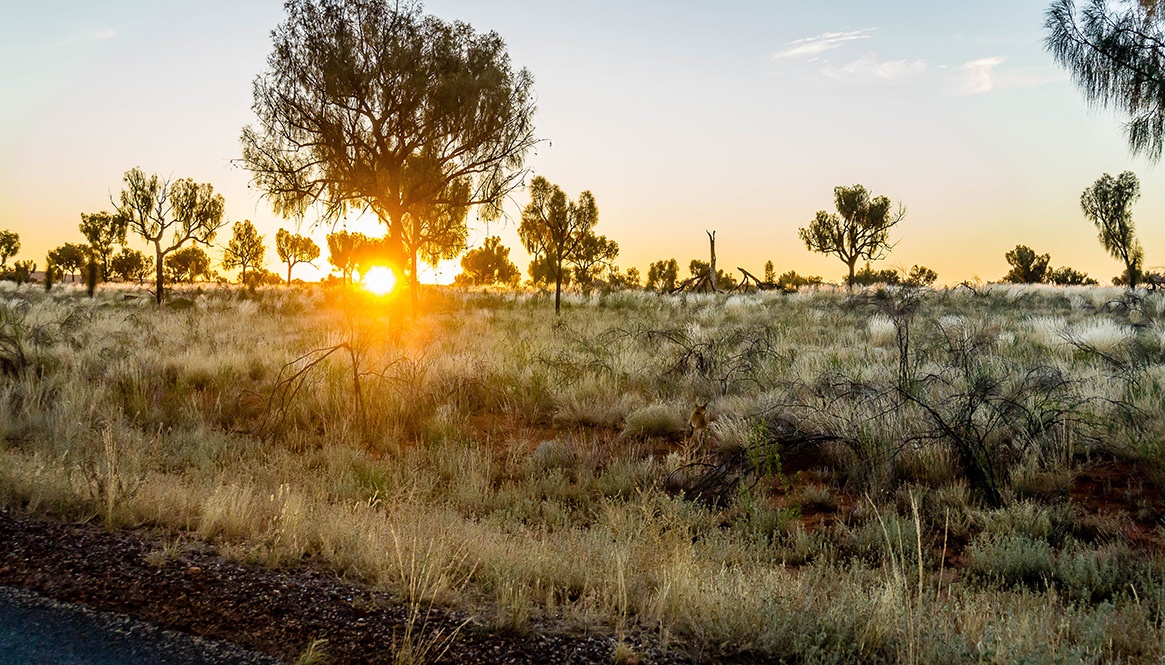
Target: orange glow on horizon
379 280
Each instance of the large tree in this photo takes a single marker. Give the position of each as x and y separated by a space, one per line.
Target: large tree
554 228
9 245
370 104
103 231
662 275
244 250
1027 267
130 264
1115 52
188 264
1108 204
594 254
294 249
860 230
343 251
488 264
156 208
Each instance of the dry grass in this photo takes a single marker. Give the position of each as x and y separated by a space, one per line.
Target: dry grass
488 470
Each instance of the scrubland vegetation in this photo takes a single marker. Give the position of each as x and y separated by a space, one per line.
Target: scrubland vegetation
905 475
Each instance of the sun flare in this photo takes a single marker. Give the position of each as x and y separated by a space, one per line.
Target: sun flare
379 280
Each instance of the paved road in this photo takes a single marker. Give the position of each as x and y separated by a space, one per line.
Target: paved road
35 630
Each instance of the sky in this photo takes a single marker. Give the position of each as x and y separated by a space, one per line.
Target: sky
680 117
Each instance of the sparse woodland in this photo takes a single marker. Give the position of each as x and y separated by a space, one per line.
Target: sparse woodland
907 475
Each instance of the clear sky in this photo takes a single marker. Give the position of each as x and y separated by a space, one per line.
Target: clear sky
680 116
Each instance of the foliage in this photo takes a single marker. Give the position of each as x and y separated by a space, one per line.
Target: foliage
593 255
69 257
1065 276
263 277
22 273
187 264
554 230
294 249
921 276
770 273
1027 267
859 230
131 265
103 231
154 208
441 120
662 275
488 264
867 276
791 281
9 245
344 250
619 281
245 249
1115 52
1107 204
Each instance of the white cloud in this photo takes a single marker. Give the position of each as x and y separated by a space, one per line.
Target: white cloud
983 75
869 67
105 34
814 45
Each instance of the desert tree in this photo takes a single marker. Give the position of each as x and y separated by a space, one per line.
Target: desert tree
370 104
22 272
1108 204
245 250
1066 276
169 214
294 249
130 265
188 264
859 230
1027 267
553 228
770 273
69 257
488 264
103 231
920 276
9 245
343 247
1115 52
663 274
593 255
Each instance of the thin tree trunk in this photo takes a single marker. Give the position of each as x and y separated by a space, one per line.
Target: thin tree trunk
289 266
849 285
712 263
158 281
557 289
414 281
396 255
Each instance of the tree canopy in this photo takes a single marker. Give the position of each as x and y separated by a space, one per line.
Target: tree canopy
188 264
294 249
488 264
1115 52
1027 267
155 208
374 105
860 230
9 245
245 249
130 265
1107 203
103 231
69 257
663 274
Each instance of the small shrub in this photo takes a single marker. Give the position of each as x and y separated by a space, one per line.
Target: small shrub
1011 560
657 420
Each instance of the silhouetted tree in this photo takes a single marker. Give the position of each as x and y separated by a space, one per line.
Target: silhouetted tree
593 255
488 264
373 104
22 273
1027 267
69 257
1066 276
188 264
921 276
791 281
1108 204
103 231
294 249
554 228
662 275
130 264
867 276
155 208
9 245
617 280
1115 52
859 230
342 251
245 250
436 231
724 281
770 273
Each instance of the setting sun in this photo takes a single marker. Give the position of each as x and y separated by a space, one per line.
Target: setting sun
379 280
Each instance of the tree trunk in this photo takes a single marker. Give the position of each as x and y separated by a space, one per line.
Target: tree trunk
414 282
396 255
289 266
158 281
712 263
849 285
557 288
